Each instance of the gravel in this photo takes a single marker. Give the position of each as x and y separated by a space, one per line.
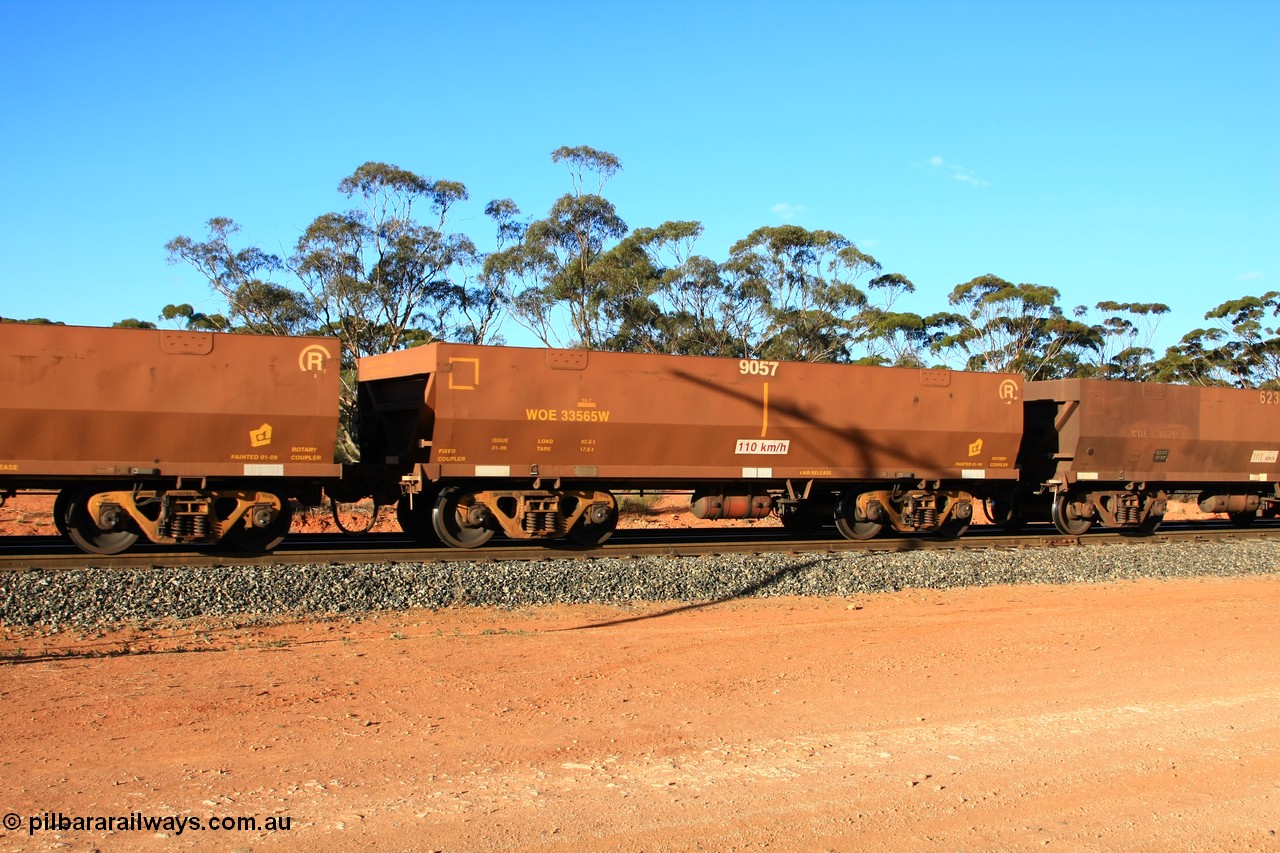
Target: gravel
104 597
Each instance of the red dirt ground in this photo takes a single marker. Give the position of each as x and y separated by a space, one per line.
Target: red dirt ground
1120 716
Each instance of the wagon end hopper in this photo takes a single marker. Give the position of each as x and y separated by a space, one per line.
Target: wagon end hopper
177 420
608 420
1111 451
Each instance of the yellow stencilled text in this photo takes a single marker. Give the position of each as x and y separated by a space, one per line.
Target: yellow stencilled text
585 416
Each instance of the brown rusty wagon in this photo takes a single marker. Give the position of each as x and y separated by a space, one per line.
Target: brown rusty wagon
1113 452
534 442
194 438
176 437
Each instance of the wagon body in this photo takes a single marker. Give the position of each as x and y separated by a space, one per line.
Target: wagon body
78 402
1097 450
1093 429
496 412
184 438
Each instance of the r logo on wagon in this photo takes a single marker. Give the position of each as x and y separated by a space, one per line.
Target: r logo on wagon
312 359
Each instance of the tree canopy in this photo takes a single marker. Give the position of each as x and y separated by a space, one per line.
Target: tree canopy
394 270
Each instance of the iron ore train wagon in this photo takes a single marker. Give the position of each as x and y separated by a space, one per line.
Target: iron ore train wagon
178 437
1106 452
209 439
532 442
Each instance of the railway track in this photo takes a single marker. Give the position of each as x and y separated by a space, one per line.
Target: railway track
51 553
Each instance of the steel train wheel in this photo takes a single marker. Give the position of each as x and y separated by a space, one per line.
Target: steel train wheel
257 540
1002 512
591 534
81 529
1243 519
60 505
1067 526
851 527
803 521
413 512
859 529
953 528
451 518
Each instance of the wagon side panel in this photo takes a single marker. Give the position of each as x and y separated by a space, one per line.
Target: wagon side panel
78 401
1129 431
512 412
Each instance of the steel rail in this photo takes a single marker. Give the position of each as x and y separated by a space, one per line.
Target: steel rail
51 553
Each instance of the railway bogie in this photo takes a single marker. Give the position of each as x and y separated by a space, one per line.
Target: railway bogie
942 512
109 518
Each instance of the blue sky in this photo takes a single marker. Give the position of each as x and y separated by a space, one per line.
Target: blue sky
1113 150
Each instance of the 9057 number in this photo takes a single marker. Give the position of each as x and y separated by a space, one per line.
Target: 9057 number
749 367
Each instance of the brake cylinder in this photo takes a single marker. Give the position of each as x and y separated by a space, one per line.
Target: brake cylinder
1228 503
713 507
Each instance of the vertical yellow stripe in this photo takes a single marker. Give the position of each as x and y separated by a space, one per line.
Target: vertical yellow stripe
764 428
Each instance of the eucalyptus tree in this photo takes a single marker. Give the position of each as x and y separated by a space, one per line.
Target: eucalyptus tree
379 276
887 336
1250 341
1127 331
1016 328
797 292
1241 348
186 317
553 277
1192 361
665 298
243 278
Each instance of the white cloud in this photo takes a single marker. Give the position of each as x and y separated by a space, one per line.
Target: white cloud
1251 276
957 172
966 178
786 211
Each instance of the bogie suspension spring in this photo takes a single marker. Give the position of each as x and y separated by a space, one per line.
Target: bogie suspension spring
187 519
